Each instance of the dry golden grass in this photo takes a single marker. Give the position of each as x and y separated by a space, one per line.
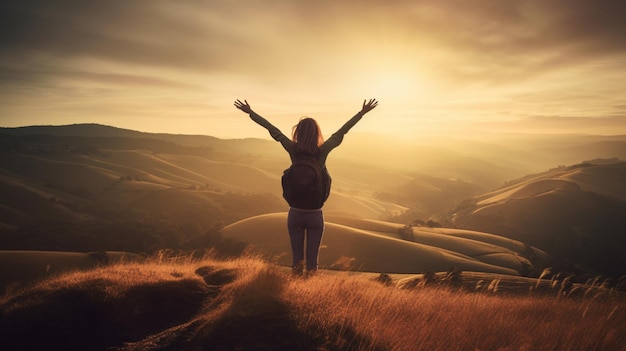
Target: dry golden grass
441 319
182 303
22 267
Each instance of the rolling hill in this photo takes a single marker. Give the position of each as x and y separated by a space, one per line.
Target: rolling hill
66 178
89 187
576 213
378 246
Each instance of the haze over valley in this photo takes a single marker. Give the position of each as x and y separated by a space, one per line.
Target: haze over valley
492 205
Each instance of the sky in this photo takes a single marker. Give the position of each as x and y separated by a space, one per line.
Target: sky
437 67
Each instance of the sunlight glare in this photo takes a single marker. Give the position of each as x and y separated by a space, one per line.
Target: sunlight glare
394 85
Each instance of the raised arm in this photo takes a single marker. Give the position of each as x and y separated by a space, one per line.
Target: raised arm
337 137
367 107
274 132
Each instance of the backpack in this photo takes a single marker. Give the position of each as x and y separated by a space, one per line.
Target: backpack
306 184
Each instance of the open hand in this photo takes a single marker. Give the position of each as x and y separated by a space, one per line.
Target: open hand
243 106
369 105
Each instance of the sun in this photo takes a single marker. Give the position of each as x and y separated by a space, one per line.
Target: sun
395 82
394 85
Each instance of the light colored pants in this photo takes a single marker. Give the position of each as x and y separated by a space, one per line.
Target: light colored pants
305 225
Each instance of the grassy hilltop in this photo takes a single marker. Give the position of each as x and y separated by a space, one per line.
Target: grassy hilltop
248 304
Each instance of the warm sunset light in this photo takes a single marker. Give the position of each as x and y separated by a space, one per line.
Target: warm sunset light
460 183
441 66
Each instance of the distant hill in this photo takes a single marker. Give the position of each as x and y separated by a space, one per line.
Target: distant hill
106 134
576 213
90 161
93 187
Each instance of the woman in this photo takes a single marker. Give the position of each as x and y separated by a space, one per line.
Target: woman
306 139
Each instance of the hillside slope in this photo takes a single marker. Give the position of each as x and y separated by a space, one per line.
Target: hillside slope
91 187
377 246
75 178
577 213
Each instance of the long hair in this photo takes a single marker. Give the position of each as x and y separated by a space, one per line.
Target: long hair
308 136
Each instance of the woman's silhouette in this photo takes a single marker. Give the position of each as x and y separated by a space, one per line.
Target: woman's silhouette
306 224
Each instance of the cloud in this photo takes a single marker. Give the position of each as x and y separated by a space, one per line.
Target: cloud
481 52
209 34
135 32
510 40
475 39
